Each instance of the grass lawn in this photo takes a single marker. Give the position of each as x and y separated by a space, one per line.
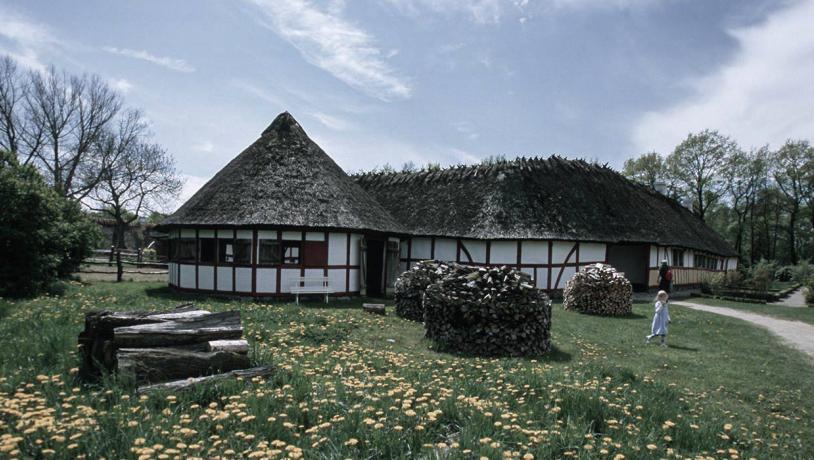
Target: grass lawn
804 314
353 385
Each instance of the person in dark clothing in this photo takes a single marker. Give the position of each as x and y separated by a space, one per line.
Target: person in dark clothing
665 277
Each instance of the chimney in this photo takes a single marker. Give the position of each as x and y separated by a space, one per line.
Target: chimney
660 187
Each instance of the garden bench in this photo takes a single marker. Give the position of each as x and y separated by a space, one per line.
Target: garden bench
311 285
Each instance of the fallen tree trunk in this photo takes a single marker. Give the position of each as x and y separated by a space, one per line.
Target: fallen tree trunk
213 326
186 384
160 364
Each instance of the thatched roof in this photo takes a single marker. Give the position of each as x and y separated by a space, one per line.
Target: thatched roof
538 198
284 179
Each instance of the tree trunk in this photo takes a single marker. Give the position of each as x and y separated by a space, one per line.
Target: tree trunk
792 231
161 364
119 266
215 326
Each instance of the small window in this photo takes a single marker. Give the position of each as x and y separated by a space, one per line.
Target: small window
291 252
270 253
185 250
226 251
243 251
678 257
207 250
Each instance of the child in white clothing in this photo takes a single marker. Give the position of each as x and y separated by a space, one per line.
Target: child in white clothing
661 319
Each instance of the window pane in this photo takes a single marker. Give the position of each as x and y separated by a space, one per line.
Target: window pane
226 251
291 253
243 251
207 251
270 253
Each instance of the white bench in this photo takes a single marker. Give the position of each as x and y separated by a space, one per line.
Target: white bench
311 285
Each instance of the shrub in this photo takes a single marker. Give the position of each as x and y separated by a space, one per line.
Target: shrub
410 286
785 273
761 275
487 312
43 236
803 272
599 290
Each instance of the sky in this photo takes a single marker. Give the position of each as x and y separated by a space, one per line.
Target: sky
377 82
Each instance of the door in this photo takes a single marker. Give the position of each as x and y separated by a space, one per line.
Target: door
633 261
391 266
374 278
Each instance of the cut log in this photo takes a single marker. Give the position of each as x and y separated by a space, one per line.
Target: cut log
186 384
181 331
234 346
102 323
598 289
376 308
161 364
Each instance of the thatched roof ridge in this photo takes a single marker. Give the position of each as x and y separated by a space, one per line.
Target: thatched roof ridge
538 198
284 179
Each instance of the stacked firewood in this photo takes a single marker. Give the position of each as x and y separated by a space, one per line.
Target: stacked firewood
487 311
598 290
410 287
151 347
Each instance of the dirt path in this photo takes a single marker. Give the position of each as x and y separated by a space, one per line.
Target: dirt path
796 333
795 299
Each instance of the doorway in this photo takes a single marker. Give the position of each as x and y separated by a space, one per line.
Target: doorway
375 268
633 261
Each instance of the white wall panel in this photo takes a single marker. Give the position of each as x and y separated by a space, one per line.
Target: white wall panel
187 233
314 236
476 248
187 277
206 233
542 278
288 276
567 273
206 277
225 279
421 249
354 280
243 279
267 234
534 252
560 250
244 234
530 272
267 280
591 252
354 249
337 249
314 272
503 252
336 279
296 236
446 249
226 234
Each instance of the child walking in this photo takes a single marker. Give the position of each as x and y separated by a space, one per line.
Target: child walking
660 319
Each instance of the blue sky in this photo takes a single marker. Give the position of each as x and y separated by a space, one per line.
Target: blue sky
449 81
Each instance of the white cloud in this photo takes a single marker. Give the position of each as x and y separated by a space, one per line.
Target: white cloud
467 129
120 84
762 95
332 122
27 39
176 64
327 40
479 11
205 147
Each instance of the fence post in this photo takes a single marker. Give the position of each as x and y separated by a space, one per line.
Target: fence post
110 259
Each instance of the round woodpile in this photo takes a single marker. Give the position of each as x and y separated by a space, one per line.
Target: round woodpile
410 286
487 312
598 290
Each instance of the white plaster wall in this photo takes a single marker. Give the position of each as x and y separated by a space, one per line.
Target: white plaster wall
530 272
591 252
534 252
226 234
314 273
733 263
244 234
354 280
206 277
288 276
314 236
243 279
542 278
206 233
560 250
503 252
187 233
296 236
337 249
421 248
187 277
446 249
354 249
266 234
225 279
336 279
267 280
654 258
476 248
567 273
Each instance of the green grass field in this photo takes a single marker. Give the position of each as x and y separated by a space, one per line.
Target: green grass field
353 385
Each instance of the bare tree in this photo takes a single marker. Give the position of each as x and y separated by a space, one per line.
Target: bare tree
135 177
697 164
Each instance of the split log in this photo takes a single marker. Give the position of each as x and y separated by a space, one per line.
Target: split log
598 289
233 346
186 384
376 308
161 364
213 326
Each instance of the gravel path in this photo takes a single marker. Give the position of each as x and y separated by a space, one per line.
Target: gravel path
796 333
795 299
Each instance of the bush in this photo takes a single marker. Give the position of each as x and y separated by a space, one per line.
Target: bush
803 272
43 236
761 275
487 312
785 273
598 290
410 286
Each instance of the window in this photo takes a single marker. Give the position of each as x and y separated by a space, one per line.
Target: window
206 250
291 252
270 253
678 257
185 250
315 253
226 251
243 251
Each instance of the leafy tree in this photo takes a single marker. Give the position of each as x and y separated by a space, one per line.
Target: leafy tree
744 175
647 169
42 235
697 164
794 175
